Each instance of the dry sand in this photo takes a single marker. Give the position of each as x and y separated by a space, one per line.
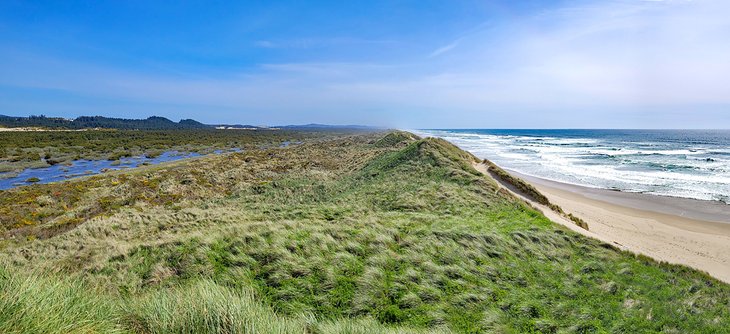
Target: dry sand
683 231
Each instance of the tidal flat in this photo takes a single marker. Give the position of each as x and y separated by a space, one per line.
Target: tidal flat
53 155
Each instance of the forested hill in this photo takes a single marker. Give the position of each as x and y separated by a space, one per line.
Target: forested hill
151 123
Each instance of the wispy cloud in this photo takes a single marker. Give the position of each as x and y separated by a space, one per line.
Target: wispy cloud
608 63
320 42
445 48
448 47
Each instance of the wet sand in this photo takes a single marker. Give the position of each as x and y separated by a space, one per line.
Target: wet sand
683 231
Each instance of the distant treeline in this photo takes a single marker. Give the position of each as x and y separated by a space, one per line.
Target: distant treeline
83 122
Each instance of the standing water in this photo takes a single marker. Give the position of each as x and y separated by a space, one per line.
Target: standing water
78 168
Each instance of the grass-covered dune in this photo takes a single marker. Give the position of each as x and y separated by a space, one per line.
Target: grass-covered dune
363 234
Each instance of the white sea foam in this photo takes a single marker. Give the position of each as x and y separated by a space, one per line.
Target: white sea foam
663 168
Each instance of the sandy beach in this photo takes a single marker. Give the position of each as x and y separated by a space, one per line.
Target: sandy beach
683 231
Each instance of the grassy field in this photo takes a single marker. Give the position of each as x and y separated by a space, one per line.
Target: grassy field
368 233
38 149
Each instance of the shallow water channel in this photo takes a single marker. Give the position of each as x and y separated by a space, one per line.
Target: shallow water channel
79 168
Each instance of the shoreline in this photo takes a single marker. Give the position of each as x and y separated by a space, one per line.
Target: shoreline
706 210
677 230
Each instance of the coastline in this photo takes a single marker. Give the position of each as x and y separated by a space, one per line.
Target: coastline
676 230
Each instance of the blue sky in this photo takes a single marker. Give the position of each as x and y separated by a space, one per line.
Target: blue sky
409 64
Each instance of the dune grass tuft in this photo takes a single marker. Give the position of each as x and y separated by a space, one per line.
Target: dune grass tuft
396 138
205 307
34 304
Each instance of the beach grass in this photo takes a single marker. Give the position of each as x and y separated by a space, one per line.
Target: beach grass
529 191
38 149
369 233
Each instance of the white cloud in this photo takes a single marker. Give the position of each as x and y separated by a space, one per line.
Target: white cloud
444 49
576 63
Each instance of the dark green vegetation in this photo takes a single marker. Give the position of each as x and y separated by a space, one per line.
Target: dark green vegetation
361 234
37 149
529 191
87 122
523 187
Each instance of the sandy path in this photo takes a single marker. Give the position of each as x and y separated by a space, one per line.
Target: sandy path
676 238
550 214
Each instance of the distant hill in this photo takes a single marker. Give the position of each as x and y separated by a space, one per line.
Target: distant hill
327 126
151 123
237 126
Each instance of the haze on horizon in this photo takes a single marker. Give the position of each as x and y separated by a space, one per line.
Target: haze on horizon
413 64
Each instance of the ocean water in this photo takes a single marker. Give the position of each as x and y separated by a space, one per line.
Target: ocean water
679 163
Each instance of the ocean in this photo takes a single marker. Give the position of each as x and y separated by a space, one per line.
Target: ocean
678 163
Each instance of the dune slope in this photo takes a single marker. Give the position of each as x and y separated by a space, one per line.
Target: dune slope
369 233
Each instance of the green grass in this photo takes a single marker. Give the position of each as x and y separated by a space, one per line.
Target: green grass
395 138
38 149
37 304
33 304
356 235
206 307
529 191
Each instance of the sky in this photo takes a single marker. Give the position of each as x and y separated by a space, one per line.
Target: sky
407 64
